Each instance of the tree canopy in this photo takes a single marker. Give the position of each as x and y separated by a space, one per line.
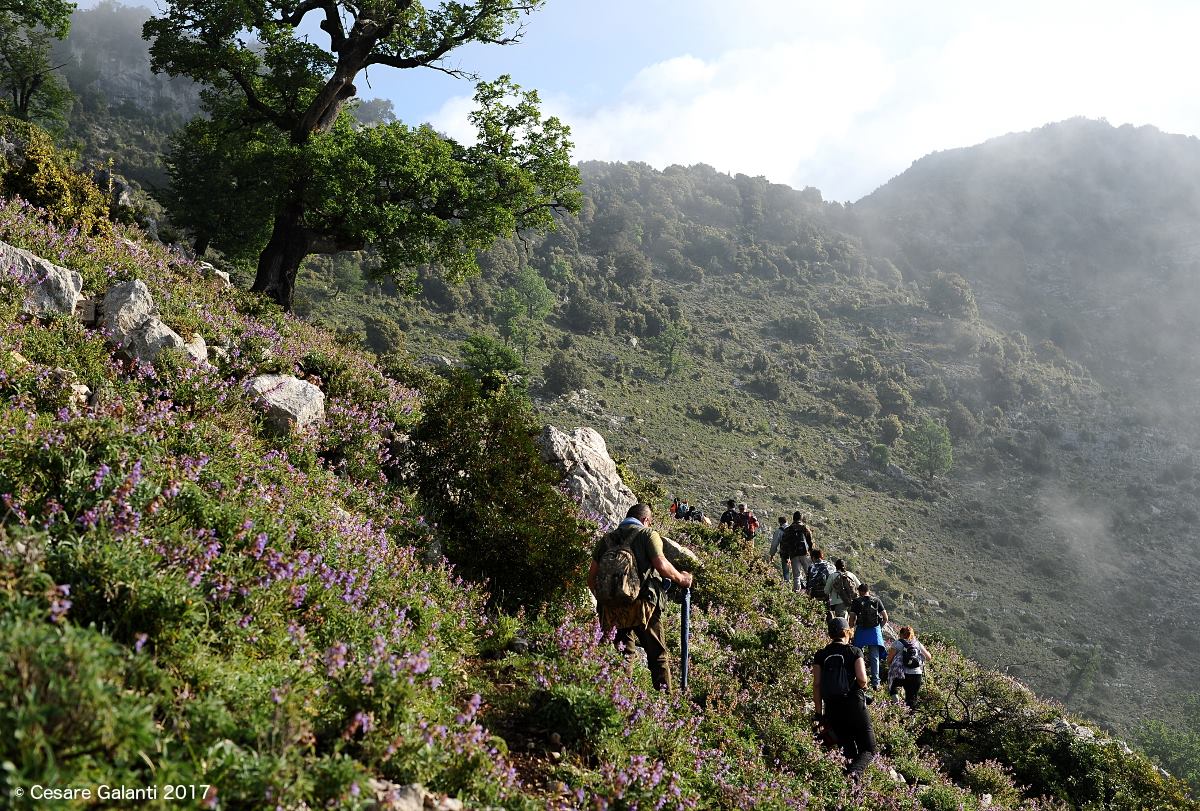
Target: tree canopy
304 176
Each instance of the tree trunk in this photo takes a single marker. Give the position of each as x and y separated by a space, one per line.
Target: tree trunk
280 260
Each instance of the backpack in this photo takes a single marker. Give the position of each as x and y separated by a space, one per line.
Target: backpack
618 581
796 540
835 675
843 587
867 615
752 523
912 659
819 580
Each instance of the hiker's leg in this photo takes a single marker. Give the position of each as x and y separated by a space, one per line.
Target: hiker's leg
858 724
872 657
655 644
624 643
784 562
839 610
912 686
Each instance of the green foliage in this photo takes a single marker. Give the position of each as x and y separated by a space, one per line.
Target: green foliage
52 15
881 455
43 176
523 307
803 327
951 295
414 196
1176 744
891 429
485 356
930 444
857 399
993 778
669 345
563 373
894 399
29 84
961 421
482 480
579 714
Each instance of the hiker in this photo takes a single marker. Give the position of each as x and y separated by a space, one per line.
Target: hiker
727 517
745 522
819 574
785 559
839 679
867 618
797 546
683 512
911 655
675 507
842 589
639 617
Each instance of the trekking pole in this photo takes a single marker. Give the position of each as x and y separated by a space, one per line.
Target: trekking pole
684 629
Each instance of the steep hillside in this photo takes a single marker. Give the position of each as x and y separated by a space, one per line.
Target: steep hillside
803 340
197 591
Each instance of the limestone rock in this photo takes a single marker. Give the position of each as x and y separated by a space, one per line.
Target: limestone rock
127 306
221 276
150 338
197 350
49 289
290 402
589 473
395 797
682 558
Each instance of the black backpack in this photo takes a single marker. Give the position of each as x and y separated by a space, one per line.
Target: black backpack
818 583
867 613
835 674
912 659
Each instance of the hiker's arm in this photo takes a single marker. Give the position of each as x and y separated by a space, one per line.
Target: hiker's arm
816 671
860 673
852 618
891 655
664 567
591 580
883 615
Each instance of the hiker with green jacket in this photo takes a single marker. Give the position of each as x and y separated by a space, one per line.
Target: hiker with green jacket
626 562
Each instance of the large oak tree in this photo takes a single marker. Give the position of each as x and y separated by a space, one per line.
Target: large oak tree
279 162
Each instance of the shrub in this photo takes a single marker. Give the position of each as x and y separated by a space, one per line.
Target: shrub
891 430
482 480
992 777
961 422
893 398
880 455
43 176
950 295
804 327
856 399
563 374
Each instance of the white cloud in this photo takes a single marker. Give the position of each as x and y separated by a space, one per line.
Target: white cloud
845 95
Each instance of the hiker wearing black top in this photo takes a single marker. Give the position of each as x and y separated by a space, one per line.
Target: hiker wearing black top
638 618
796 545
727 517
776 547
839 678
867 618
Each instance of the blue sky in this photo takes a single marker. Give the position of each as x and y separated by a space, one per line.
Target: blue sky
837 94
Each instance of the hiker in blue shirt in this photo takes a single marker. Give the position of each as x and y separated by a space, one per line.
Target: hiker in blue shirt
867 617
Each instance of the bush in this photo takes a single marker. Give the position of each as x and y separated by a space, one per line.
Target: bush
880 455
563 374
804 327
42 176
961 422
891 430
992 777
856 399
482 480
893 398
950 295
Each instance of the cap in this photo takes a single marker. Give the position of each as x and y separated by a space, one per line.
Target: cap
838 624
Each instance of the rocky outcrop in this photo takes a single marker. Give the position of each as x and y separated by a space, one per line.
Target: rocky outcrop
130 317
290 403
49 289
589 473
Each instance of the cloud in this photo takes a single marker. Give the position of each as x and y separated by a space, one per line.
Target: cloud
845 96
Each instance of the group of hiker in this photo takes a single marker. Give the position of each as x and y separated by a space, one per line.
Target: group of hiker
630 577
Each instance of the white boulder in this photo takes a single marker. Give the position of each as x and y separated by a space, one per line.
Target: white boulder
197 350
127 306
290 402
49 289
150 338
589 473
